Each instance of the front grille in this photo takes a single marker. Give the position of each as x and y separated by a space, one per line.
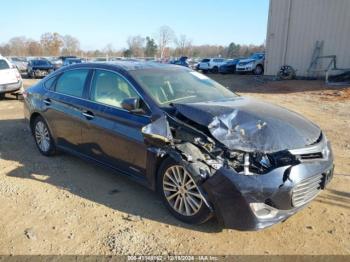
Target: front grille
306 190
311 156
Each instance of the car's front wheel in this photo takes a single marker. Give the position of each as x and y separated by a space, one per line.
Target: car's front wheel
180 193
42 136
258 70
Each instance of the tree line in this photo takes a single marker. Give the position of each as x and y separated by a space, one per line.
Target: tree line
164 44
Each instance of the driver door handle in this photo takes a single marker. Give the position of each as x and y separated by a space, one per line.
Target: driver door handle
88 115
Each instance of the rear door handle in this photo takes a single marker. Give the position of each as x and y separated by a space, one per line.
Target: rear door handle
88 115
47 101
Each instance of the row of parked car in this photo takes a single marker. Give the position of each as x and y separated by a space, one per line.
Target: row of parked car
253 64
39 67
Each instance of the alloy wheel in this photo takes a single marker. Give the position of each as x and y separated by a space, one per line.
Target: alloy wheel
42 136
181 191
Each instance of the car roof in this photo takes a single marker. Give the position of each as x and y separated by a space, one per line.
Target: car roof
128 65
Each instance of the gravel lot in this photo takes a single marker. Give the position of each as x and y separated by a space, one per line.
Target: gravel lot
63 205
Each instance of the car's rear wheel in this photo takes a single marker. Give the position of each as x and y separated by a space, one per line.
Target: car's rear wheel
180 193
42 136
258 70
215 70
2 96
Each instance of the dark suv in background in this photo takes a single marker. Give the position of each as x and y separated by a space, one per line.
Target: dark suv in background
39 68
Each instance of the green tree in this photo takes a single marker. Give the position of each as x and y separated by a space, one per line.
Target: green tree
127 53
233 50
151 47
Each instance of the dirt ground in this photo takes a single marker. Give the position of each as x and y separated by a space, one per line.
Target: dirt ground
63 205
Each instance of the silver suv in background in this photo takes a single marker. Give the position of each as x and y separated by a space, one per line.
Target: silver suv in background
254 64
211 64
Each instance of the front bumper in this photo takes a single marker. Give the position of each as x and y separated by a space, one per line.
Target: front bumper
42 72
11 88
233 195
244 68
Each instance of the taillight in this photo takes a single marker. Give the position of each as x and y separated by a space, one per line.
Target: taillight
18 75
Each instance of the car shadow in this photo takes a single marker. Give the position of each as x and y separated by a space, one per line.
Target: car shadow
11 97
83 179
335 198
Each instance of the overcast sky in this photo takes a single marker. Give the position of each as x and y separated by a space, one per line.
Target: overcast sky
98 23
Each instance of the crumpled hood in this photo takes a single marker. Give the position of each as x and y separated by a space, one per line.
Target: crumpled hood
250 125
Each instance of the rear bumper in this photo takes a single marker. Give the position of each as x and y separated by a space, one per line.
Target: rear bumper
11 88
258 201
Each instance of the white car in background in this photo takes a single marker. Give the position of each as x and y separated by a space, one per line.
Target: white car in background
211 64
10 78
254 64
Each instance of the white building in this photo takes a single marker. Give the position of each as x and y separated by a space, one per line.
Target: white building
294 27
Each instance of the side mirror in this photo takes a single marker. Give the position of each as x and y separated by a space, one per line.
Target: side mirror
132 104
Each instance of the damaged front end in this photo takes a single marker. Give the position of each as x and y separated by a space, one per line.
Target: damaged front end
247 174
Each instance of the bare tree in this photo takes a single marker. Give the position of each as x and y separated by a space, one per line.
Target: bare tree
136 45
51 43
18 45
34 48
108 50
5 50
165 36
71 45
183 46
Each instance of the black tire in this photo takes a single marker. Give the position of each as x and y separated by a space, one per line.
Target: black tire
2 96
50 150
215 70
259 70
201 216
204 71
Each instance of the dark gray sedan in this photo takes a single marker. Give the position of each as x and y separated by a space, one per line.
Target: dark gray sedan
207 151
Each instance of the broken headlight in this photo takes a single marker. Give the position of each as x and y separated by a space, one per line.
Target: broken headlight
257 163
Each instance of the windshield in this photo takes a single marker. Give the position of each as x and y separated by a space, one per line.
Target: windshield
184 86
256 56
74 61
41 63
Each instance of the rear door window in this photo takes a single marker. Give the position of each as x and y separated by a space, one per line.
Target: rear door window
110 88
72 82
49 84
4 64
